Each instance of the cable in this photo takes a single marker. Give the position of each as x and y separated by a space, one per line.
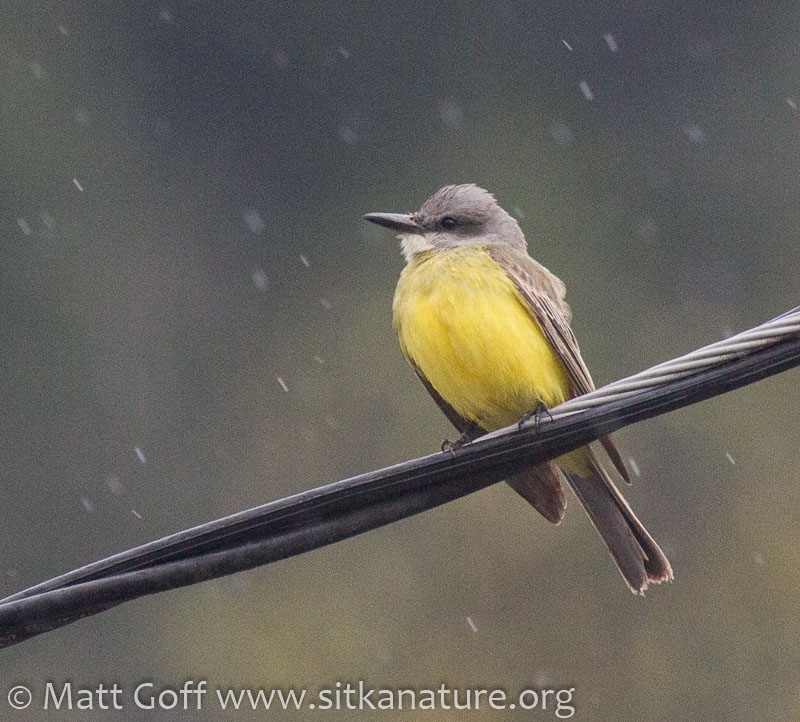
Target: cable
784 326
327 514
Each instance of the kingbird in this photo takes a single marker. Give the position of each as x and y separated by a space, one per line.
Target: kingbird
487 330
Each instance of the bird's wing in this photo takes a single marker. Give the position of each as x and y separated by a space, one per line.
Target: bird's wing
544 296
464 425
539 485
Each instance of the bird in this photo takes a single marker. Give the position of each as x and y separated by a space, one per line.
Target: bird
486 328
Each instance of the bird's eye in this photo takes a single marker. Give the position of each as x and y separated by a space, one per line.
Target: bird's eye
448 223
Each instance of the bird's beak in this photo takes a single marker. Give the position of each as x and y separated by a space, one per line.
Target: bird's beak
400 222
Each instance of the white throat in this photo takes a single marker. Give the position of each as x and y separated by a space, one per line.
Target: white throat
412 244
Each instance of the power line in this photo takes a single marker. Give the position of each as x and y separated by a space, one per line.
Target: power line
327 514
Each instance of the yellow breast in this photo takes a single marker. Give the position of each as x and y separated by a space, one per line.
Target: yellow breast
463 323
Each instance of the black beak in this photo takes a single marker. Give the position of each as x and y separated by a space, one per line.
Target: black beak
400 222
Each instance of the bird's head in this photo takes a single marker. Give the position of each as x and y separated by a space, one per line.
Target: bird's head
454 216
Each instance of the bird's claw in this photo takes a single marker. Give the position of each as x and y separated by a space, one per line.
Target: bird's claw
448 445
535 414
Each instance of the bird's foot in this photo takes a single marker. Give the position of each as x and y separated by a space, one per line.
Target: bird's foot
535 414
448 445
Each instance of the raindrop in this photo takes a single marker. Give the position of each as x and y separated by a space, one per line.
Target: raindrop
472 624
542 679
24 226
586 90
161 128
567 45
730 458
305 261
612 44
254 221
283 384
347 134
136 513
259 277
634 466
694 132
87 504
647 229
280 57
140 455
450 113
77 184
344 52
562 133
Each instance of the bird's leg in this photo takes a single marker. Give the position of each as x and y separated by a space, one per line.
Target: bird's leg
535 414
465 438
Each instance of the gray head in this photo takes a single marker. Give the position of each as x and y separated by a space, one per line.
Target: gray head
453 216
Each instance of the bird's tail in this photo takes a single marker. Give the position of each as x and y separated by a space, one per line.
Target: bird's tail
639 558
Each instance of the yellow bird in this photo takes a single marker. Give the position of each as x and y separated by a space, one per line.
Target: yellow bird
487 330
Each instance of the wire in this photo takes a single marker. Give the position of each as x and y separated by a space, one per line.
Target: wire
327 514
780 327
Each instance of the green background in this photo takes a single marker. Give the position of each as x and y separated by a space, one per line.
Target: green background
216 254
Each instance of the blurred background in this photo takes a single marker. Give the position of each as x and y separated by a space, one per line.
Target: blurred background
196 320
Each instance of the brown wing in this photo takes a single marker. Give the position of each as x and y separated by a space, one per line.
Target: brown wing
544 294
540 485
465 426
